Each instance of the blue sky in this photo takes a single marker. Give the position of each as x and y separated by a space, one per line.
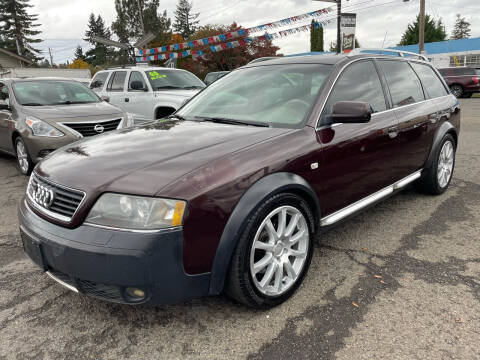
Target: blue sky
64 22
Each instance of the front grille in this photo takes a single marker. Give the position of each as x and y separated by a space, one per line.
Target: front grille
53 199
94 128
102 291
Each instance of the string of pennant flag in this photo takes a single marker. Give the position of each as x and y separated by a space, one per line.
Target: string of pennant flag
233 34
231 44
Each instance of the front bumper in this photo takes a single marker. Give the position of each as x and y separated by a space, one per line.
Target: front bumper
103 263
40 146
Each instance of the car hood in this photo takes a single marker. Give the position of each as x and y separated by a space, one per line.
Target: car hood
176 94
144 159
70 111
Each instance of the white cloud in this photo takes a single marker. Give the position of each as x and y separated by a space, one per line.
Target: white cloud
64 22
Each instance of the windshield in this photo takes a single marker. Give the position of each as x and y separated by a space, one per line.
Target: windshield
38 93
172 79
276 95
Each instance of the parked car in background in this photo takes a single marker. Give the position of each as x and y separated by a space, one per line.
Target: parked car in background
463 81
148 93
228 193
214 76
38 116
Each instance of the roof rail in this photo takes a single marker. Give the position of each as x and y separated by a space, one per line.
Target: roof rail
400 53
128 66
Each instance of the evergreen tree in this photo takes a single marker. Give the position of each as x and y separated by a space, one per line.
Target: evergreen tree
17 25
79 53
98 55
186 22
434 31
461 29
316 37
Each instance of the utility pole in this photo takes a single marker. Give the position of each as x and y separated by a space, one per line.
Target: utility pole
421 27
140 14
51 58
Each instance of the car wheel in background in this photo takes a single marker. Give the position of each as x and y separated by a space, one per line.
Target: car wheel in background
24 162
467 95
457 90
273 252
437 179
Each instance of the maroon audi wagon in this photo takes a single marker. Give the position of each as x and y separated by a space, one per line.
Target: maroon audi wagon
227 194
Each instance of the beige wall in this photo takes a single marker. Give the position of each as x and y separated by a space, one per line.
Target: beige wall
8 61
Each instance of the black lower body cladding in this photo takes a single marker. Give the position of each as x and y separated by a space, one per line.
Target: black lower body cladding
111 264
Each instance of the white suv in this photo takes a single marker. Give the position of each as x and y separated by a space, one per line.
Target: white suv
147 93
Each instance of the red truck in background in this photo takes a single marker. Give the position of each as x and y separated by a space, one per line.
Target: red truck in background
463 81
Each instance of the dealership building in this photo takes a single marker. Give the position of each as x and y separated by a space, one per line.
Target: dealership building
450 53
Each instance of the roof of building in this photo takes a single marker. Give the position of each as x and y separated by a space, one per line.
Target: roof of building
22 58
444 47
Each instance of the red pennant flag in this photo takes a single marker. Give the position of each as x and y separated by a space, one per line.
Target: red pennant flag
228 36
180 46
210 40
223 45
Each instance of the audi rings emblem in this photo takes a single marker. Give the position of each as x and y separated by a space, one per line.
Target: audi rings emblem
99 128
43 195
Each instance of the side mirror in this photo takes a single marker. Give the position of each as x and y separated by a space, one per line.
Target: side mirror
351 112
105 98
138 85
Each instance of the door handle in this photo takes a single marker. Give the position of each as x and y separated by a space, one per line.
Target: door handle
127 99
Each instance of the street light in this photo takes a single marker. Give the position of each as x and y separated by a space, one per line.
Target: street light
339 16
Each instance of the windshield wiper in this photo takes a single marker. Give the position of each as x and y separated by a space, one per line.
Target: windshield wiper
232 121
33 104
168 87
68 102
193 87
173 116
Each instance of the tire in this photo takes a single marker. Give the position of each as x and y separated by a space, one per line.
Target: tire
457 90
244 282
24 161
437 179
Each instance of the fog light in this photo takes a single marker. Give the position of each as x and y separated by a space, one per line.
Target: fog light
135 293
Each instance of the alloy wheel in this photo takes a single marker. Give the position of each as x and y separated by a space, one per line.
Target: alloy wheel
457 91
22 156
445 164
279 251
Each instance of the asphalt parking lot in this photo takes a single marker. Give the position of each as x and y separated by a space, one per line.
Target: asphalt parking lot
400 281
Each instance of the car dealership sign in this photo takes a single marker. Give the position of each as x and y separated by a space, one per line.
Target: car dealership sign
348 24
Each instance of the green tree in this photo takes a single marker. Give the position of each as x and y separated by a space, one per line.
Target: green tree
79 53
434 31
98 55
186 22
316 37
17 25
461 29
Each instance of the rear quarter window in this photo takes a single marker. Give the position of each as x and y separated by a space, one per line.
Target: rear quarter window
430 80
403 82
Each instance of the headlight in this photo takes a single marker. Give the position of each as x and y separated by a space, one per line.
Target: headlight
136 212
41 128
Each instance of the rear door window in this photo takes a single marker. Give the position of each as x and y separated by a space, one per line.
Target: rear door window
358 82
3 92
430 80
117 81
98 81
403 82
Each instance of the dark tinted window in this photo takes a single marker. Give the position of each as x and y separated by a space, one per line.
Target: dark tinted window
136 76
358 82
431 82
117 81
99 80
3 92
405 87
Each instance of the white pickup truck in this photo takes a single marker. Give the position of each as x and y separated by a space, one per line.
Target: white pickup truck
147 93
